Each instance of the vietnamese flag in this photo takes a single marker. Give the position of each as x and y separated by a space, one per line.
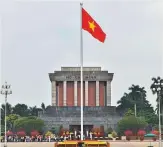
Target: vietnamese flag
90 25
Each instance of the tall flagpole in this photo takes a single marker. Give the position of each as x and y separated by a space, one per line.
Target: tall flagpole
81 71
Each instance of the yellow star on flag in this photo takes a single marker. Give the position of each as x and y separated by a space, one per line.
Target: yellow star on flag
92 25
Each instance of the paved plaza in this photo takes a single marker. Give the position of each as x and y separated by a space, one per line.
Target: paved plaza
113 144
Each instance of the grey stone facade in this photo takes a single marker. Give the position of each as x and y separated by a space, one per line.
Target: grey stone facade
75 76
66 116
89 74
96 116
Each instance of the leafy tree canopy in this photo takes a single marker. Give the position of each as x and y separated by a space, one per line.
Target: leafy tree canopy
137 95
131 123
11 119
21 110
29 124
130 112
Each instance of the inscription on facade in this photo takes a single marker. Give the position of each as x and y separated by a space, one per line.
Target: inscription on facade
78 68
77 77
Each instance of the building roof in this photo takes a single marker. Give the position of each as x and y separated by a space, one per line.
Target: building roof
78 68
73 74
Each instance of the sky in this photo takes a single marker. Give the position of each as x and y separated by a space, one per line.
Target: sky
38 37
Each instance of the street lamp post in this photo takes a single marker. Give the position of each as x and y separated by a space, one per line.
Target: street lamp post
160 142
157 87
6 91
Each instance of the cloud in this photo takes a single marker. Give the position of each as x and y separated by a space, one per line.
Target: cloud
154 10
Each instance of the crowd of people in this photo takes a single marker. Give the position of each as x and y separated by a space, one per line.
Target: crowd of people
38 138
47 137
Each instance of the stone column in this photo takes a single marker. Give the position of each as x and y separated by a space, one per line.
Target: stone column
53 84
97 94
57 102
64 93
108 93
86 93
75 93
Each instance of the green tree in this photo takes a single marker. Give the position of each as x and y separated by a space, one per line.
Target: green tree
8 111
33 111
43 106
150 117
2 130
29 124
8 108
137 95
132 123
130 112
158 83
21 109
2 117
124 103
11 119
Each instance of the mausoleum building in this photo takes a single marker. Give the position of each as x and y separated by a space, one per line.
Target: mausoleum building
65 100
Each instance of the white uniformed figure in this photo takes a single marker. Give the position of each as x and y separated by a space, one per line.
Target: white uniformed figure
87 133
90 135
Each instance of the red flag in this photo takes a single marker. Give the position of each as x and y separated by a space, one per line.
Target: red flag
90 25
